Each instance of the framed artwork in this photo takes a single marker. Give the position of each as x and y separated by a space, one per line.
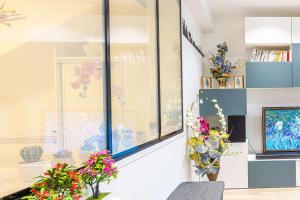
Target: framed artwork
280 127
206 82
239 82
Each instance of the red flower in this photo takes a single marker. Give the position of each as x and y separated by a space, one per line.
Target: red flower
46 173
74 186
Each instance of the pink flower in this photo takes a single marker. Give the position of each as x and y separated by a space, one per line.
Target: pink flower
104 152
94 173
107 170
204 125
108 161
91 161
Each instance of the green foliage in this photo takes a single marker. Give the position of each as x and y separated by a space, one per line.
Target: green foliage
61 182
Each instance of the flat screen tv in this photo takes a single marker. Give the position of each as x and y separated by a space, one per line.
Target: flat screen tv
281 129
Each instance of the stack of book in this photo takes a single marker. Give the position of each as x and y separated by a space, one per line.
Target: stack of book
271 56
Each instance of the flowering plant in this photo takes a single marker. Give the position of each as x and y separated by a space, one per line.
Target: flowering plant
61 182
99 168
206 145
220 66
84 73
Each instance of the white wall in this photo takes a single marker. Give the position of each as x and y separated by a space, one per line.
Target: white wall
232 31
154 173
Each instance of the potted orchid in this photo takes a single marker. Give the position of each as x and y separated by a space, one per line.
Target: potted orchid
206 144
61 182
99 168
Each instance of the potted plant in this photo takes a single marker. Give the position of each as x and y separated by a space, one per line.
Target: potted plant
221 68
99 168
61 182
206 145
32 165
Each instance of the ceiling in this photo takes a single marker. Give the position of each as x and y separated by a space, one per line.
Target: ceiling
234 8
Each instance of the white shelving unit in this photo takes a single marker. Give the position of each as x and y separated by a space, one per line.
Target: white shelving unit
234 167
268 31
295 29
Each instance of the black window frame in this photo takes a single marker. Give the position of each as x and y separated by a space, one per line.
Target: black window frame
107 90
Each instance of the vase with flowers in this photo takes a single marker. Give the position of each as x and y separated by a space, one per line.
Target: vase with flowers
99 168
221 68
206 144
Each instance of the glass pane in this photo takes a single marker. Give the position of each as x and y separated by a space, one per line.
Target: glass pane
134 73
170 66
51 95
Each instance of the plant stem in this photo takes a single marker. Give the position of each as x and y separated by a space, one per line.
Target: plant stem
92 188
97 192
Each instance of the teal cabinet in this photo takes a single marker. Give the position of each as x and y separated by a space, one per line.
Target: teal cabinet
232 101
271 173
269 74
296 65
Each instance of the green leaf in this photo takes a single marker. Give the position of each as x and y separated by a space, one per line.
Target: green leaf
30 198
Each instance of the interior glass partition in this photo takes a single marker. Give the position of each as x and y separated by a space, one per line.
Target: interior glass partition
51 87
61 95
133 46
170 66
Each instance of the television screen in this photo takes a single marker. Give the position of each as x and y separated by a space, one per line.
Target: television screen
281 128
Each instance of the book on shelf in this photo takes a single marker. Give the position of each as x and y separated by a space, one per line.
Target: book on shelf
270 56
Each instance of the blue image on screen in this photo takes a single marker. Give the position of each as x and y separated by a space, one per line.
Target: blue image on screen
282 130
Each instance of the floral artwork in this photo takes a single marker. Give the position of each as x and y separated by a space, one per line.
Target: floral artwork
84 73
282 129
8 16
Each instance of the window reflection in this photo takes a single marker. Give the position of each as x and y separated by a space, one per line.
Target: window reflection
51 96
134 73
170 66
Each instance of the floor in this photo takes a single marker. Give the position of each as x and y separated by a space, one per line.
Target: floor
263 194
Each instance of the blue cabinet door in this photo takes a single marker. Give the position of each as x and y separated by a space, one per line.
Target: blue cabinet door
269 74
296 65
232 101
268 174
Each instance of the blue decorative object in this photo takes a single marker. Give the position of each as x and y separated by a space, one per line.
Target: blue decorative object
96 142
282 129
122 138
